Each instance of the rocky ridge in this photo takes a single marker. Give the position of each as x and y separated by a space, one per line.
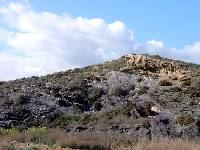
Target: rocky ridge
140 95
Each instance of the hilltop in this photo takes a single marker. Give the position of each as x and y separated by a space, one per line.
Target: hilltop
141 96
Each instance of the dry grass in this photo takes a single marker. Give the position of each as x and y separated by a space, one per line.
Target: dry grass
59 138
176 144
92 141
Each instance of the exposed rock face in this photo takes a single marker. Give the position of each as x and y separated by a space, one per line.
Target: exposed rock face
148 65
139 95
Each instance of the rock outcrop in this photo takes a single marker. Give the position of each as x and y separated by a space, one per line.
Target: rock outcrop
157 67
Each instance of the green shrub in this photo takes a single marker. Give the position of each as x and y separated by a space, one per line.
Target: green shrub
22 99
110 114
38 134
4 131
35 122
127 109
66 120
87 118
184 120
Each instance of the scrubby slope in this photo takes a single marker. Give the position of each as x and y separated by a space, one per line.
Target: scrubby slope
136 95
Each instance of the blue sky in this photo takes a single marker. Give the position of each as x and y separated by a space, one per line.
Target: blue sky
44 36
175 22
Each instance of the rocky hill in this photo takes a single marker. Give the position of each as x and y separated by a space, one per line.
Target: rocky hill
139 95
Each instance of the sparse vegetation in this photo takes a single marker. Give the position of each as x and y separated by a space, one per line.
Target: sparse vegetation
103 107
184 120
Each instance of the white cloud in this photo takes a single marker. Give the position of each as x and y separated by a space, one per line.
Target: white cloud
190 53
42 42
153 44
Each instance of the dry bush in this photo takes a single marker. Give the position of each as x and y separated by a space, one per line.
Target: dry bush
88 140
96 141
76 140
174 144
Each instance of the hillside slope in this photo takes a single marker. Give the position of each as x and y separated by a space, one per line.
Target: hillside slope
139 95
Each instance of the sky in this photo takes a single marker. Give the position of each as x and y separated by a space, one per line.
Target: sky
38 37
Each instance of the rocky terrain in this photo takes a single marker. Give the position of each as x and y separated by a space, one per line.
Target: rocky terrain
137 95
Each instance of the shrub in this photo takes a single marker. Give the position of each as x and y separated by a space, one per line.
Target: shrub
127 109
194 89
186 83
117 91
193 92
35 77
195 83
94 93
140 79
9 131
77 83
65 120
110 114
1 83
175 89
143 90
97 106
35 122
87 118
22 99
184 120
165 83
37 135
